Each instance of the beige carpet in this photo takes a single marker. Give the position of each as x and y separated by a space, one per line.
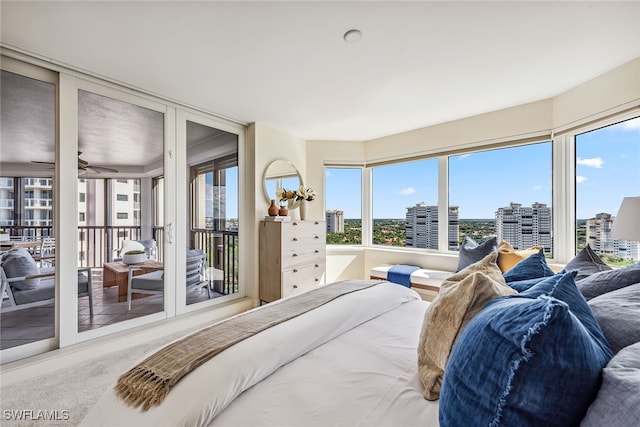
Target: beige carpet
68 394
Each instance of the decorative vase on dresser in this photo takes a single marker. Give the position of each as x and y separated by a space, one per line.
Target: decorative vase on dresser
292 257
303 209
273 208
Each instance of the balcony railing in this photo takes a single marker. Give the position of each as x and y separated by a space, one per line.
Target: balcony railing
221 248
99 244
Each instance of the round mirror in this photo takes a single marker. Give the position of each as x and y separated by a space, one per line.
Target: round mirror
280 173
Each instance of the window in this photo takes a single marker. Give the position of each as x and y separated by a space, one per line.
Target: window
503 201
82 197
123 181
81 217
122 197
122 215
607 170
405 200
343 205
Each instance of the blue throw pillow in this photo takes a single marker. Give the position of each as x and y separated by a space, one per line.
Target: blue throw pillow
532 267
471 252
529 359
523 285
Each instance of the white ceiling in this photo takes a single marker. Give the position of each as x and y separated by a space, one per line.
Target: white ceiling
285 64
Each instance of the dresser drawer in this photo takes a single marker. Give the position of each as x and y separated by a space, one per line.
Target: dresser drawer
301 279
303 255
303 231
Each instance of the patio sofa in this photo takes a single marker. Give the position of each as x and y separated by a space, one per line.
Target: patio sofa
26 285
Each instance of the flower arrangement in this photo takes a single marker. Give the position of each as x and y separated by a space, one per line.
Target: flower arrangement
300 194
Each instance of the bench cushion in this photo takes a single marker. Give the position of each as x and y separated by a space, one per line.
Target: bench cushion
425 277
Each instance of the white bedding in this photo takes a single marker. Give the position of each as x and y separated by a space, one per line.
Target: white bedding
350 362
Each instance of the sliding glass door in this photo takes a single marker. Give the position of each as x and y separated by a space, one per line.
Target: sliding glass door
27 232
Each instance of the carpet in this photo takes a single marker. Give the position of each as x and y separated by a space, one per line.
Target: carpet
62 398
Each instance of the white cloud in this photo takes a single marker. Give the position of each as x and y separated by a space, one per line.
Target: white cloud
328 173
632 124
537 187
595 162
580 179
407 191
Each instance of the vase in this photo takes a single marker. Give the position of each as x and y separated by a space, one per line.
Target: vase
273 208
303 209
283 211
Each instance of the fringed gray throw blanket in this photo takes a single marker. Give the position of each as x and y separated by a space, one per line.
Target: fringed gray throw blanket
149 382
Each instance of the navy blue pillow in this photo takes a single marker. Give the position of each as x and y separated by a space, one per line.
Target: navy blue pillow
523 285
471 252
532 267
534 358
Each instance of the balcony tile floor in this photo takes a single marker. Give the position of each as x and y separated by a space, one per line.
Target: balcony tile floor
33 324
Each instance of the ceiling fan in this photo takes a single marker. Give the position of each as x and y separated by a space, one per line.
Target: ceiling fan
84 166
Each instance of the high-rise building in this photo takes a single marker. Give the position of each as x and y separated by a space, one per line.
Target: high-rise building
524 227
32 208
335 221
421 227
599 238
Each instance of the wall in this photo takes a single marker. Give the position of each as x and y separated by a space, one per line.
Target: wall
507 124
617 90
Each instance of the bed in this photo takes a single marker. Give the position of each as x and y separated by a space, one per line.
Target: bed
351 361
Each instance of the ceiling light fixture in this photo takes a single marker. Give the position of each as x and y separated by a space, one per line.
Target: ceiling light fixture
352 36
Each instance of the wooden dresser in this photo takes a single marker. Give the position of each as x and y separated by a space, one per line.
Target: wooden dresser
292 257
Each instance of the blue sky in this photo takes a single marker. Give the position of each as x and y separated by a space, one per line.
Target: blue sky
608 168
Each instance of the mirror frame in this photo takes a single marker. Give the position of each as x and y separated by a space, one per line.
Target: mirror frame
264 176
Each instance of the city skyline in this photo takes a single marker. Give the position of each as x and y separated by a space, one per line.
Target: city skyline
607 169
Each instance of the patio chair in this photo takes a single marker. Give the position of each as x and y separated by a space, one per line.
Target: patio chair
45 255
25 285
153 283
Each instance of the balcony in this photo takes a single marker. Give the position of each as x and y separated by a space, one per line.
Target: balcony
37 203
6 204
99 244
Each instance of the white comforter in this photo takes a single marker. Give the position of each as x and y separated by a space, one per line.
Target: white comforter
350 362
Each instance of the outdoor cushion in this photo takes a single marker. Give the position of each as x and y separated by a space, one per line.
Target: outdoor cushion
152 281
18 262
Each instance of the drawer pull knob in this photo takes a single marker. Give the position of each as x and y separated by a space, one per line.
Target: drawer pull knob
317 280
317 251
316 237
295 239
295 286
295 254
317 266
295 271
316 223
295 223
